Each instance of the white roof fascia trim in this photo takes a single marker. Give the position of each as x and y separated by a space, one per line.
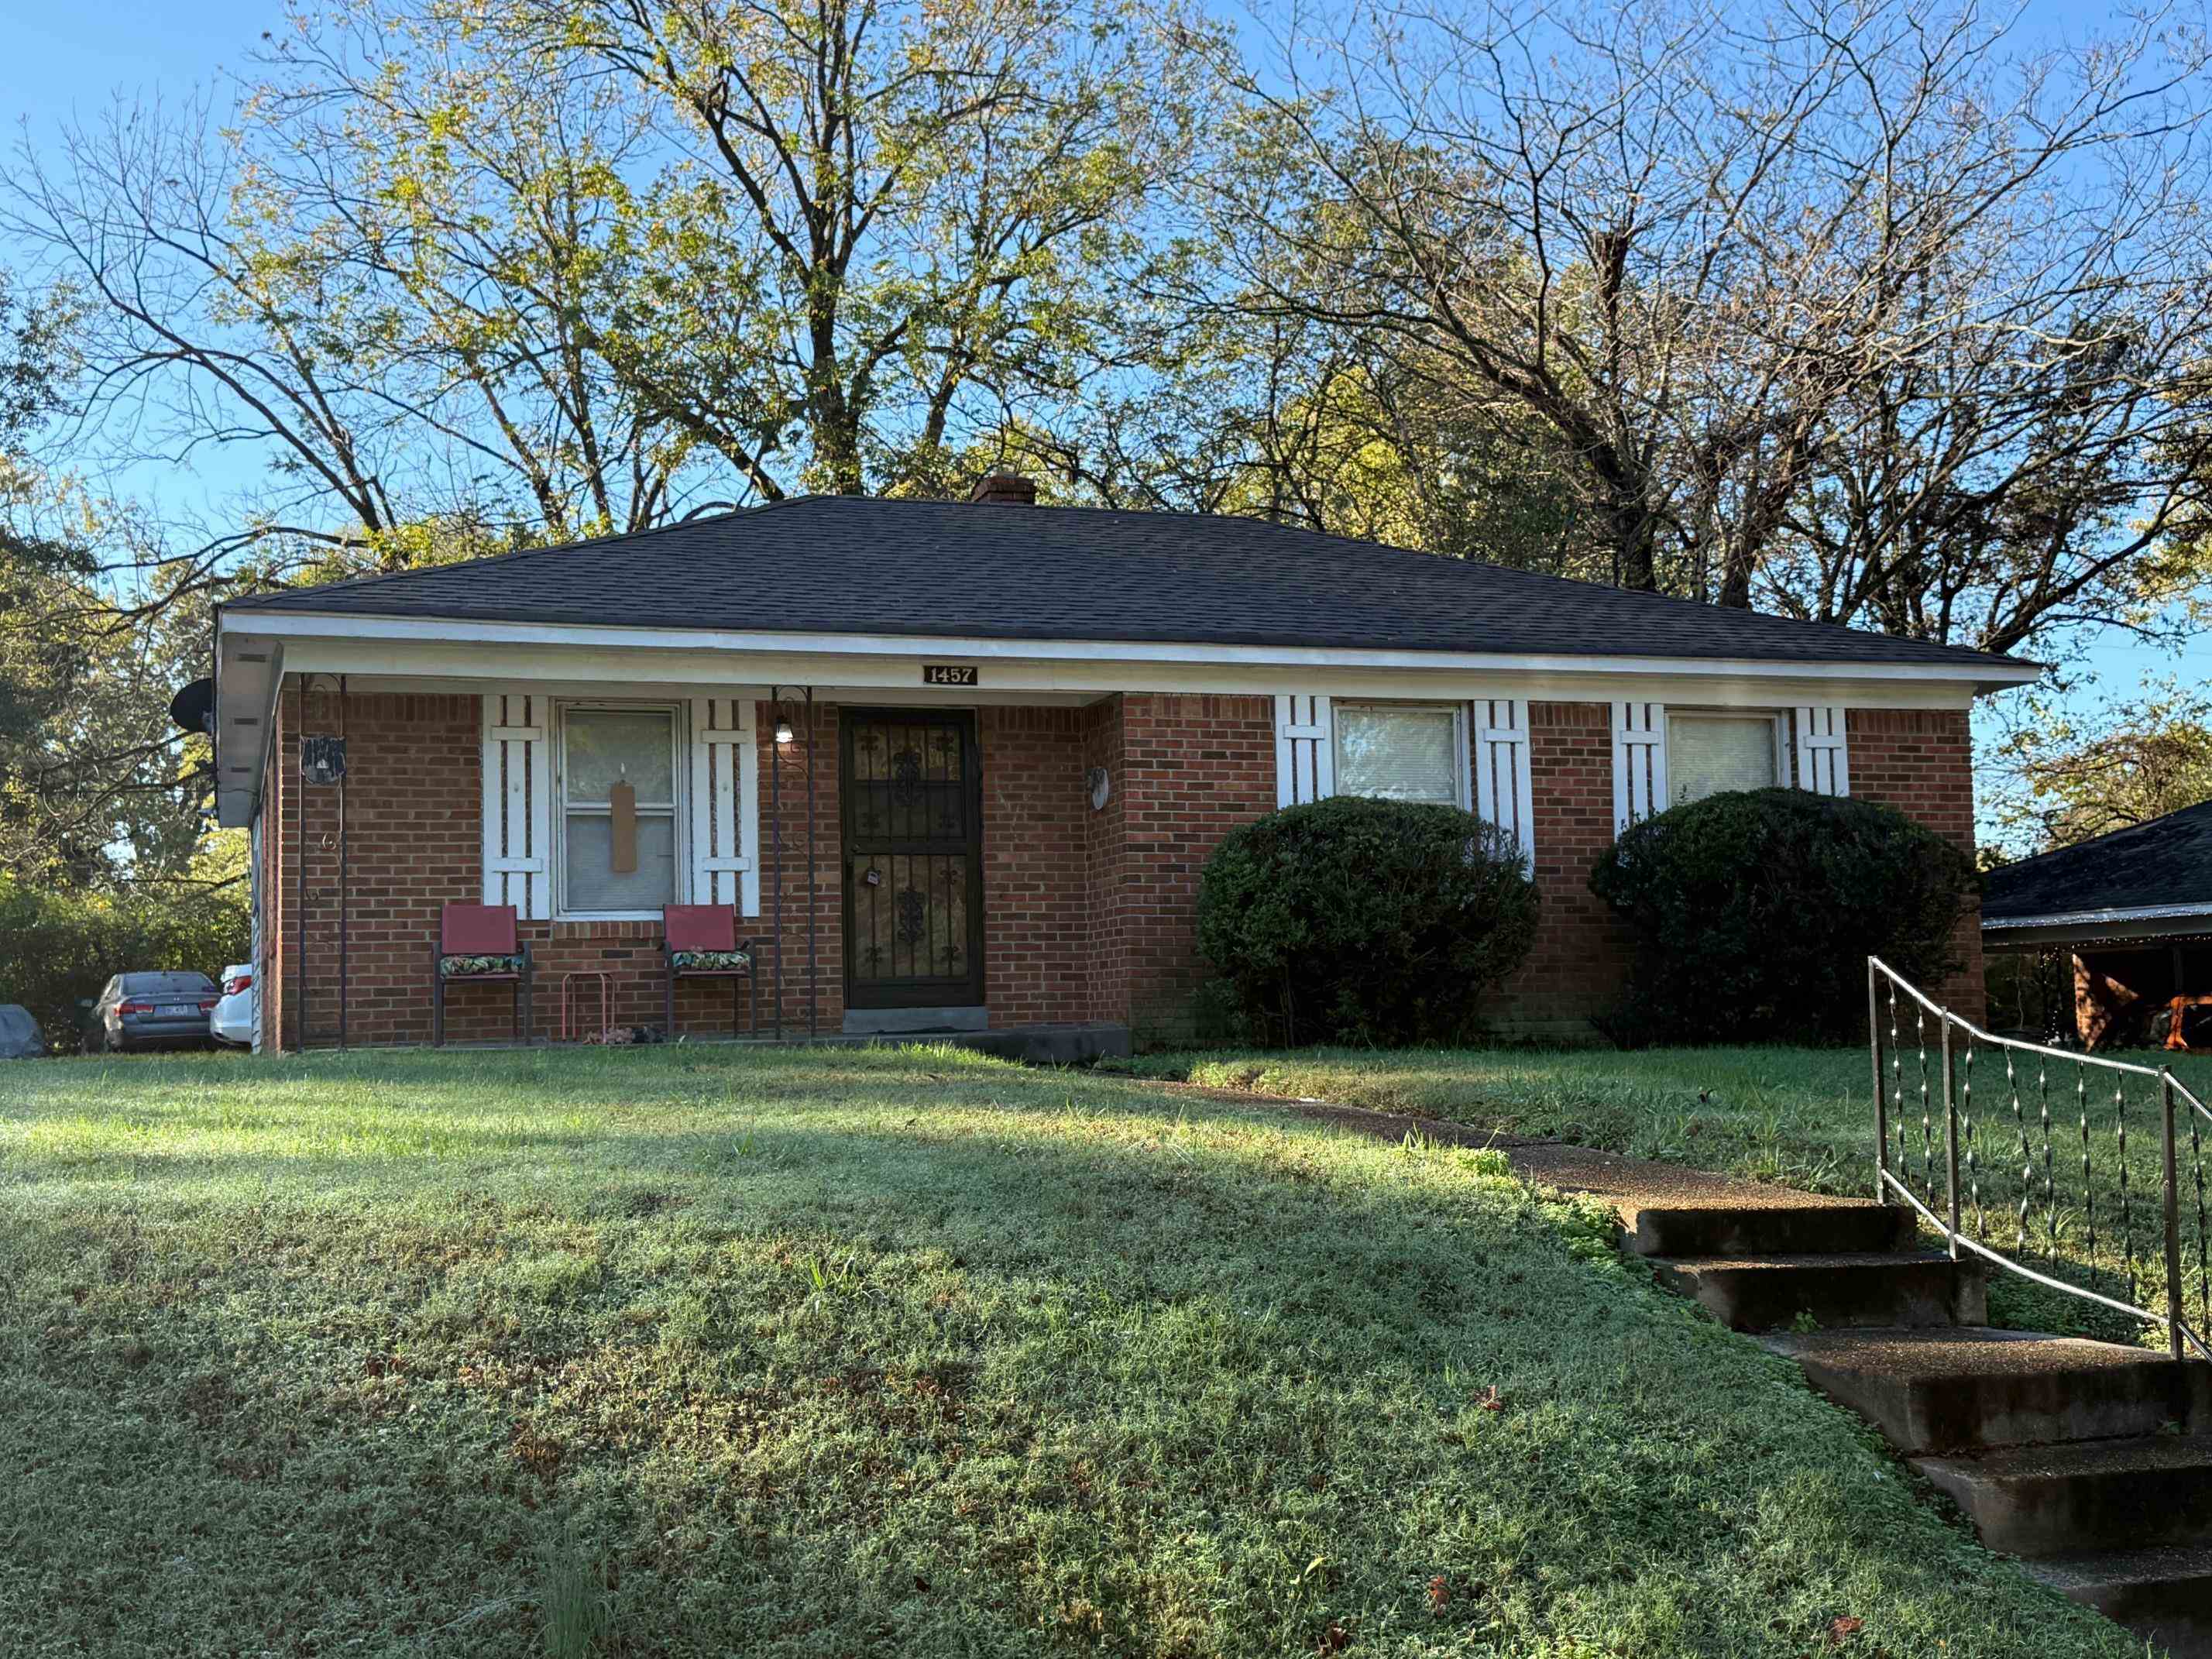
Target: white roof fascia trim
253 687
320 625
398 662
759 690
2092 918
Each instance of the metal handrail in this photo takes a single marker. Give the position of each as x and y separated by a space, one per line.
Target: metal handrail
2182 1336
1875 964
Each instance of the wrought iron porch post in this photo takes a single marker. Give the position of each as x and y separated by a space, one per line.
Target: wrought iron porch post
1881 1091
813 881
345 880
1950 1139
2173 1313
775 837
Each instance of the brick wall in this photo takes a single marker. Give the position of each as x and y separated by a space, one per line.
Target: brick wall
783 816
1193 769
1918 761
1921 760
1035 854
277 861
1105 854
1581 949
407 850
414 844
1088 914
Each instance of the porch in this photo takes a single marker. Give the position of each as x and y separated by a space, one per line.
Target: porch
950 867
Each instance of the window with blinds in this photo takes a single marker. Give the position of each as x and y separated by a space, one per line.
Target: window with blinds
1401 751
1707 754
618 819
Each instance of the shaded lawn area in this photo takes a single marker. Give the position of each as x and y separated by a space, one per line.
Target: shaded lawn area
1802 1117
709 1350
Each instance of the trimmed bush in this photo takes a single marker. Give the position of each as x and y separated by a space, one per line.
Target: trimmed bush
1755 911
1369 921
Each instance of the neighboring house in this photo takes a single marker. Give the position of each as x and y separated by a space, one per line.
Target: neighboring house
2131 911
1025 729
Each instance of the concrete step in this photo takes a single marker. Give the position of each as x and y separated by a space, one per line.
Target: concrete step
1774 1293
1962 1391
2091 1495
2164 1593
1793 1224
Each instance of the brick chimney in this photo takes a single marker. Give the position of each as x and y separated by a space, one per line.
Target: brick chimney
1007 489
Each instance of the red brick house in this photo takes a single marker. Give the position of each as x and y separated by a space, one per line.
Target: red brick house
959 762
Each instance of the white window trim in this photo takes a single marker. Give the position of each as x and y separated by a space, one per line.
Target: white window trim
1463 755
1777 723
1504 795
679 810
724 862
1822 748
1305 750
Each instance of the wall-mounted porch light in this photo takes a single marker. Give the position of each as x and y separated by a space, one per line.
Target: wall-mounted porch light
782 729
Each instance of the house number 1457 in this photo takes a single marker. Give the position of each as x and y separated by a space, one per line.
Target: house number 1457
948 673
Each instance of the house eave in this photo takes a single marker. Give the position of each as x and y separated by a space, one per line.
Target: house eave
1984 675
2117 923
467 653
248 671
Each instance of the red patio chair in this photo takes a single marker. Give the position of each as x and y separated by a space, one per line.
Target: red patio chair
699 941
476 945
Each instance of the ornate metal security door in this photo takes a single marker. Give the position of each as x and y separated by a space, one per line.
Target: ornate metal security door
911 789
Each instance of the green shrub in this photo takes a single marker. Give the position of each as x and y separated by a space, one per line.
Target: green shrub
1755 911
1358 921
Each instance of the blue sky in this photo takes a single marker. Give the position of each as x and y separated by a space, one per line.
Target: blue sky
59 60
61 57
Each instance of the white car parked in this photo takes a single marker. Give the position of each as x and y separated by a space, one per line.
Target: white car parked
231 1022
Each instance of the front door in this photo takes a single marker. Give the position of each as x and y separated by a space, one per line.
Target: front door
911 791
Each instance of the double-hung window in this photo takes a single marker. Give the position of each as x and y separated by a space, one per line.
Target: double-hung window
619 822
1402 752
1709 752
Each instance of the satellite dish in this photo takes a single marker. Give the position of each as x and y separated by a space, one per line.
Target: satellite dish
193 708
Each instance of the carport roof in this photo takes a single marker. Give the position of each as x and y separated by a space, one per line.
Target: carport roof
2145 872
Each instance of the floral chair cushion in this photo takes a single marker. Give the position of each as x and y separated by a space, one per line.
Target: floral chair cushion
474 967
711 961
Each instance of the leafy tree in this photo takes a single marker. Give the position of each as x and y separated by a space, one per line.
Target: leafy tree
1277 419
930 211
97 790
576 265
2066 775
1867 314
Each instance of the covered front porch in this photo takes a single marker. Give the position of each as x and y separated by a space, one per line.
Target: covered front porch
947 865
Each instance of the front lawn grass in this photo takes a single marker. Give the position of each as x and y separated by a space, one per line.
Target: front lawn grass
695 1352
1803 1117
1800 1117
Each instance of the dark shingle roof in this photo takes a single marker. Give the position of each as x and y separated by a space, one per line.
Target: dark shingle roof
2164 865
823 564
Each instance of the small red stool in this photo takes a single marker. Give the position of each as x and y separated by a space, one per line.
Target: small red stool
606 1000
